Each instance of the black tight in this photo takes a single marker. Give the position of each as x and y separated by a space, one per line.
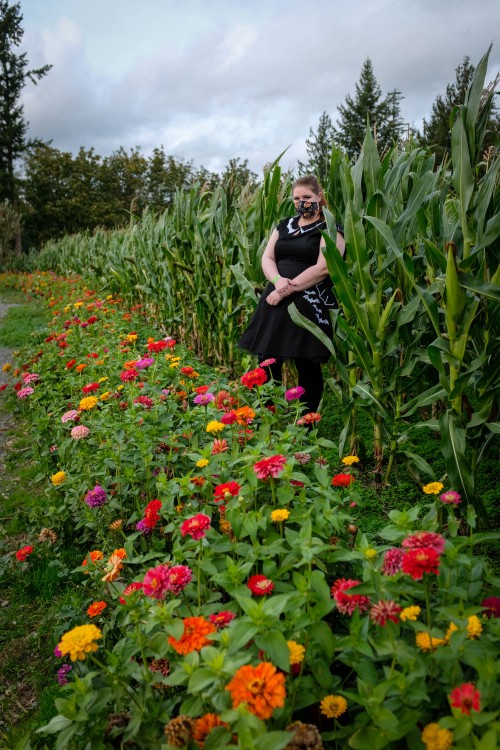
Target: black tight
310 379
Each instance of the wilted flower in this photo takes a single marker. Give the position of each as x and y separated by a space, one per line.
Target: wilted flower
62 674
302 458
47 535
179 732
219 446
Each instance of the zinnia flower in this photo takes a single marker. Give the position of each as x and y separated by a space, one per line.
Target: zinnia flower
134 586
141 364
268 468
23 553
69 416
466 698
492 606
96 497
204 725
129 375
425 539
450 497
79 642
202 399
90 387
62 673
262 688
245 415
179 731
435 738
294 393
383 611
267 362
80 431
96 608
88 403
156 582
221 619
426 642
194 637
347 603
25 392
230 417
393 561
279 515
219 446
145 401
409 613
196 526
416 562
297 652
342 480
260 585
474 628
226 491
333 706
214 426
58 478
309 418
350 460
254 378
202 462
157 346
433 488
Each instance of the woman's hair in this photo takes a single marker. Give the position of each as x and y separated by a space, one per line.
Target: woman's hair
310 180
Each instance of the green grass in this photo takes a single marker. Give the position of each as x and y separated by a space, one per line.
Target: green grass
24 324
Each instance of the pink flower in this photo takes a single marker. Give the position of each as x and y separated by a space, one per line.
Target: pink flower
196 526
347 603
127 375
383 611
294 393
179 577
450 497
393 561
30 377
80 431
134 586
267 362
229 418
269 467
204 398
25 392
141 364
69 416
156 582
219 446
425 539
222 619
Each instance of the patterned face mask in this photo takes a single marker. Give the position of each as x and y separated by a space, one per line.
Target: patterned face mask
307 209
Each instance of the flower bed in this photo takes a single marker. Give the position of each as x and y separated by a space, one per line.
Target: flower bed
233 599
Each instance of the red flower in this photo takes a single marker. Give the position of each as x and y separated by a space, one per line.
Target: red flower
91 387
23 553
224 400
254 378
393 560
347 603
92 319
465 697
201 389
135 586
269 467
383 611
222 619
418 561
3 387
70 363
425 539
145 401
260 585
196 526
309 418
157 346
342 480
492 606
230 417
129 375
225 491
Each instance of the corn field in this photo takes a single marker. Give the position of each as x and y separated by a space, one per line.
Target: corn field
416 332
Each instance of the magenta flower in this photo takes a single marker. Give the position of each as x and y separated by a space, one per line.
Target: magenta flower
80 431
62 673
450 497
141 364
69 416
196 526
156 582
425 539
204 398
393 561
179 577
96 497
294 393
229 417
269 467
25 392
32 377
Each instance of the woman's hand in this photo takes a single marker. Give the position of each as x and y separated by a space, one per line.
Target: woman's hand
283 289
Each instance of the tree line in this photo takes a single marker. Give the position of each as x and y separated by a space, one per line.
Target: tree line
46 193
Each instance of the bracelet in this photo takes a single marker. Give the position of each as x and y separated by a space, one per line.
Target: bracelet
273 281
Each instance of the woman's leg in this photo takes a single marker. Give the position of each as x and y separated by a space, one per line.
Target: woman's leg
311 380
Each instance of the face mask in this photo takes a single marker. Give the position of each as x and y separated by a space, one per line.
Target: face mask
307 209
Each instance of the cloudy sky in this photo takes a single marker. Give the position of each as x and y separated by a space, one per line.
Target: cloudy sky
212 80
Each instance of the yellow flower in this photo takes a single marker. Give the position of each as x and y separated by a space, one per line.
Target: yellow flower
7 366
474 628
58 478
279 515
435 738
104 396
350 460
174 364
433 488
116 525
409 613
214 426
120 387
88 403
370 553
202 462
78 304
131 337
333 706
297 652
109 296
79 641
102 380
426 642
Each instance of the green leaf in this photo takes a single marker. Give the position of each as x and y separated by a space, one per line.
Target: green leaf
322 634
453 447
463 179
368 738
201 679
56 724
273 740
485 288
274 644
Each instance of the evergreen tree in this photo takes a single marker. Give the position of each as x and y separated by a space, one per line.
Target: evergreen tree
319 150
383 114
165 175
437 131
13 78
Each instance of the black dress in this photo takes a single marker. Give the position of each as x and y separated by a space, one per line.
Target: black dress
271 332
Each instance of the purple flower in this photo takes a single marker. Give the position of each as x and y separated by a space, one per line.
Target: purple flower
62 672
293 393
96 497
204 398
141 364
57 652
142 526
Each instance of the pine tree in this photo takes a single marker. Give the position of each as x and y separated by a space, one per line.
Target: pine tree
13 78
319 150
383 114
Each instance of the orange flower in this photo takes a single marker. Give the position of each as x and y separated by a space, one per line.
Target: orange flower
194 637
113 567
245 415
262 688
120 553
204 725
96 608
80 368
95 555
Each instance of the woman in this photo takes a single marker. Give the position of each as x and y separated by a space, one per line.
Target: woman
294 265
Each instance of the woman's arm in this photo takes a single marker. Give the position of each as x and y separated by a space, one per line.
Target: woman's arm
282 285
314 274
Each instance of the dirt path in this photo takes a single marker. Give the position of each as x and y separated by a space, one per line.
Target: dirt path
6 421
